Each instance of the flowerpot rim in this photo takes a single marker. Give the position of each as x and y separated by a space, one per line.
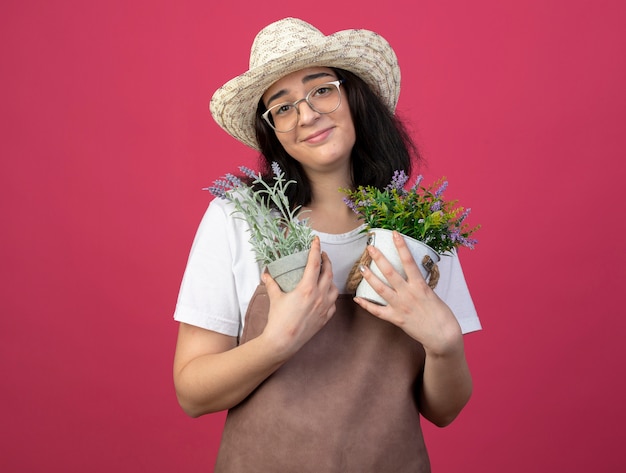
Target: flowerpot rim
407 237
288 270
295 255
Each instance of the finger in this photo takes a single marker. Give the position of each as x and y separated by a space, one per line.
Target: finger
270 284
409 264
327 267
377 310
327 279
393 277
314 262
374 309
382 289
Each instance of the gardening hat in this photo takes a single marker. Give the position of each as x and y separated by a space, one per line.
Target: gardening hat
289 45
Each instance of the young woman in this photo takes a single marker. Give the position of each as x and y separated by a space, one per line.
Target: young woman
322 381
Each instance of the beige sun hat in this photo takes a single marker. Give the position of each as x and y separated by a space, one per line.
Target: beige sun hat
289 45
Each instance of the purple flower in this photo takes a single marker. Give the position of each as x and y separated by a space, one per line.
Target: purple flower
463 216
443 187
467 242
276 168
417 183
436 206
216 191
398 181
351 205
248 172
233 180
219 188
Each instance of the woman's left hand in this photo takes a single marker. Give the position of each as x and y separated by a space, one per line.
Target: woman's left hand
411 304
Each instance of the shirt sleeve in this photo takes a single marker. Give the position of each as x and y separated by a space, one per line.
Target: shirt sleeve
453 290
208 292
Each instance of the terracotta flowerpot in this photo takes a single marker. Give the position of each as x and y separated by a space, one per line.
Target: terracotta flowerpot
288 270
383 240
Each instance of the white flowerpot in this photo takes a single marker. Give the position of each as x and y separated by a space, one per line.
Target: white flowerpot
383 240
288 270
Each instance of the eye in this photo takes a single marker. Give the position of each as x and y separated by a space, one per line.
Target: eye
322 90
281 109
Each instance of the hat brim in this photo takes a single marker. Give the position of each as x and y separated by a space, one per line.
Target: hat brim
362 52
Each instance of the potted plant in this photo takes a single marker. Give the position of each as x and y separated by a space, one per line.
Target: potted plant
281 239
431 226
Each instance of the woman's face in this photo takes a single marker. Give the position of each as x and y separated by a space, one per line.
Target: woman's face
318 140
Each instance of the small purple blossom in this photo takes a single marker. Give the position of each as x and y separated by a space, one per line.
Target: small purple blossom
463 216
443 187
276 168
221 186
397 181
351 205
417 183
457 237
248 172
436 206
467 242
233 180
216 191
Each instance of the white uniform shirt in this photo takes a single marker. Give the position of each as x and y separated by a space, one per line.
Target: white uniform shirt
222 274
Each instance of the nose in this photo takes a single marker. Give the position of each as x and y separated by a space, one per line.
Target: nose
306 114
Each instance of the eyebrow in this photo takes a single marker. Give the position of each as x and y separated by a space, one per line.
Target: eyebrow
305 79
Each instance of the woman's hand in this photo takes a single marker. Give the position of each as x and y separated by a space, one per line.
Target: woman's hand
296 316
213 373
412 304
415 308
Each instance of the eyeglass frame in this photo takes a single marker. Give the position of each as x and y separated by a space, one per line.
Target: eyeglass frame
295 104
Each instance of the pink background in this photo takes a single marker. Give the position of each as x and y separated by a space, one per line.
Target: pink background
107 141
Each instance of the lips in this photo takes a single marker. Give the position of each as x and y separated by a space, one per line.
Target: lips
318 136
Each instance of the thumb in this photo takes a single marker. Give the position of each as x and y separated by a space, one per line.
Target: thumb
270 284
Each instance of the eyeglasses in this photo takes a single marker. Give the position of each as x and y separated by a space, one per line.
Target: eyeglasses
324 98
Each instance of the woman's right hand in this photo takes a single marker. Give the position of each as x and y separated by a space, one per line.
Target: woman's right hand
295 317
213 373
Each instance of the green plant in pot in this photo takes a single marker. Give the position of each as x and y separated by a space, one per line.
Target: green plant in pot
431 226
281 239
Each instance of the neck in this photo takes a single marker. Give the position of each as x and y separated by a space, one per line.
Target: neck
328 212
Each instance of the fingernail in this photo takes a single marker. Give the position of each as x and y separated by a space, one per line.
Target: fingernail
361 268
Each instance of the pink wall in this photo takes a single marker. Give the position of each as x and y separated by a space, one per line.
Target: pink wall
107 140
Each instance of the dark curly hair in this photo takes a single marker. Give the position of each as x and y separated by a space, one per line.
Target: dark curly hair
382 144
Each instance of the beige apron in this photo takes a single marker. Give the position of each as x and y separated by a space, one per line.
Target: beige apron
344 403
